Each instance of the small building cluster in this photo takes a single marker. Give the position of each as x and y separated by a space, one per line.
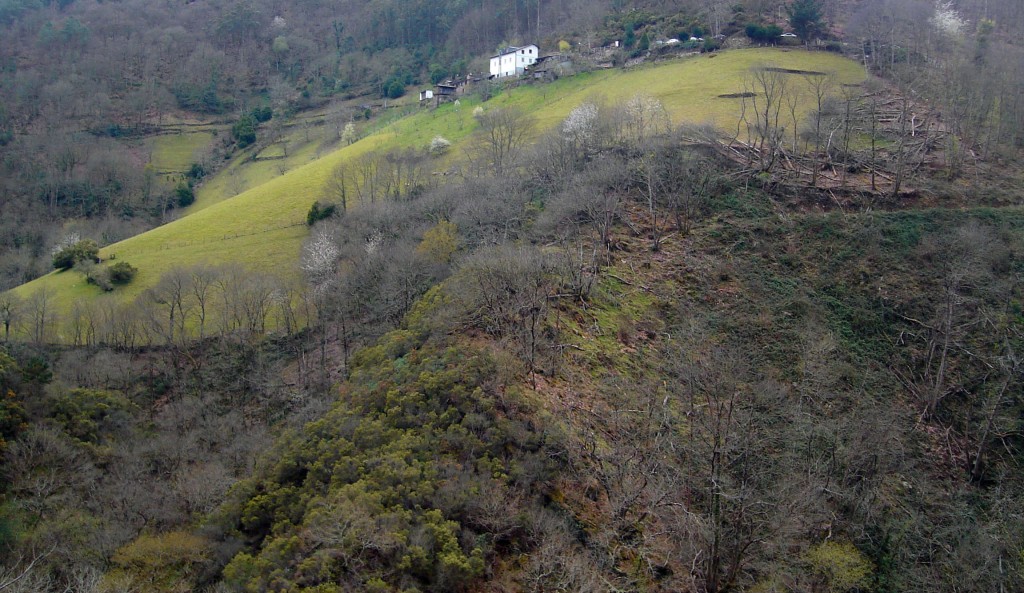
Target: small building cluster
509 62
449 90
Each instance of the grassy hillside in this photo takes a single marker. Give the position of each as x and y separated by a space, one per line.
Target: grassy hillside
173 153
264 226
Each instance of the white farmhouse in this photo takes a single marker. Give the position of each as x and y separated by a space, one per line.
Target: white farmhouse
512 61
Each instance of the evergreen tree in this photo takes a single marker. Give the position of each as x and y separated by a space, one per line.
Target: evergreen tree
645 43
806 19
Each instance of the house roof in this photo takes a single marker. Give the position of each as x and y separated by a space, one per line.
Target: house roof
511 50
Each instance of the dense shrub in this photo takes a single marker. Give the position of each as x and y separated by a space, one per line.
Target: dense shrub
244 131
95 275
196 171
394 89
763 33
262 114
202 98
66 257
319 211
121 273
13 419
183 194
410 463
91 415
106 278
645 43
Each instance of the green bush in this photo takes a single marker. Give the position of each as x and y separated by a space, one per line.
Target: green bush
95 275
91 415
645 43
244 131
420 441
262 114
121 273
184 196
13 419
394 89
763 33
118 274
437 73
66 257
319 212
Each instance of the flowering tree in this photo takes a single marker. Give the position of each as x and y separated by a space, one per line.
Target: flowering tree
348 134
439 145
580 126
947 20
319 258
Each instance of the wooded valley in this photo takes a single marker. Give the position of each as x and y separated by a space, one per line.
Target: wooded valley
700 316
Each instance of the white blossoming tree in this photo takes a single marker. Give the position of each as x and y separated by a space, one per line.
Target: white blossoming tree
348 134
947 20
580 127
439 145
319 259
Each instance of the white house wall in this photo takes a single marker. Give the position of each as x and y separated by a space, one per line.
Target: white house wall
515 62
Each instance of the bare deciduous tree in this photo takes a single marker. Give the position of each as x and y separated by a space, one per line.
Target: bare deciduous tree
643 118
500 138
10 309
42 316
337 187
766 89
504 291
821 88
171 294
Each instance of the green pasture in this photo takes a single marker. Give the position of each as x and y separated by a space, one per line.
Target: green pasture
175 152
253 211
250 168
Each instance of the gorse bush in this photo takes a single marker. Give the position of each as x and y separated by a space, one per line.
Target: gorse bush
392 487
90 414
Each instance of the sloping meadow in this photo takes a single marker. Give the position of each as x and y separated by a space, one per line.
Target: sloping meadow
263 229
